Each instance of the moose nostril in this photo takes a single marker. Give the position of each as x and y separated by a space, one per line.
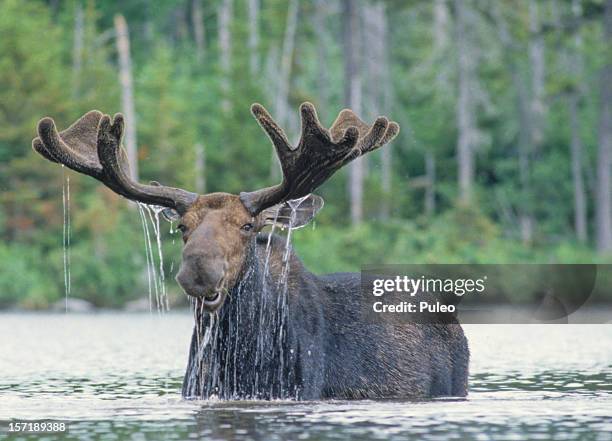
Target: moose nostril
181 278
200 281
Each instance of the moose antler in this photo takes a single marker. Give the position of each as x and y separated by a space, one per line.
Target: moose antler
319 153
92 146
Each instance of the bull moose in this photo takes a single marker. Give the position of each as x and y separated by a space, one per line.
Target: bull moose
266 327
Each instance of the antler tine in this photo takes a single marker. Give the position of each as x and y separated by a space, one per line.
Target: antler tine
51 145
114 163
92 146
274 132
319 154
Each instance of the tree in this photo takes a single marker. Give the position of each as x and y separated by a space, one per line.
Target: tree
352 98
603 208
573 101
254 36
224 18
377 87
127 92
197 19
281 105
465 105
321 29
77 50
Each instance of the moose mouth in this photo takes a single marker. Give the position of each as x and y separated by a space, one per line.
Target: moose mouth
214 300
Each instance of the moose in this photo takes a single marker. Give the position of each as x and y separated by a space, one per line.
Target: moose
265 326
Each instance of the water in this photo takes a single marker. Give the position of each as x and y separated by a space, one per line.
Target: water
118 376
66 232
149 217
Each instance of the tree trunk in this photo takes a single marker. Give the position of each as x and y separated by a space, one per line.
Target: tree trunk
441 41
254 36
535 122
323 40
465 116
523 111
127 93
580 213
575 66
352 98
603 207
281 105
225 50
200 169
77 48
378 87
441 44
197 20
537 61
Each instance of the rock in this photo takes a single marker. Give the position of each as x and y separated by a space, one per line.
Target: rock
139 305
74 305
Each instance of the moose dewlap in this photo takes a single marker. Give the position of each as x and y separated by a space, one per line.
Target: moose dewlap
265 326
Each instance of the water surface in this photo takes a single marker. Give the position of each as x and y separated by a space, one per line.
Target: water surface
118 376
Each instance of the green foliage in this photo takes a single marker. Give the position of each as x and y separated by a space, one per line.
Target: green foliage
179 101
459 236
21 281
27 63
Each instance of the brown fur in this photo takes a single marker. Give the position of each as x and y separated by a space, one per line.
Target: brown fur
215 246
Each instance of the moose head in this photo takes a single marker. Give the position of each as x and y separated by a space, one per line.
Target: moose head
217 228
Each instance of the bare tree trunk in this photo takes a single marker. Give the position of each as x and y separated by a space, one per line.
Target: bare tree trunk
200 169
197 20
254 36
352 98
523 111
322 33
127 92
377 88
225 50
441 43
536 57
603 196
465 116
77 48
441 40
534 122
281 105
575 65
580 213
386 155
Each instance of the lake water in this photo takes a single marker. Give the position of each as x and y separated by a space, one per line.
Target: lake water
118 376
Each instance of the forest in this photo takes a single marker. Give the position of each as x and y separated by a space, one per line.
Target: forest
504 154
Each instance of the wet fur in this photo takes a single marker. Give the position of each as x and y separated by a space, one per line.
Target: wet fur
324 351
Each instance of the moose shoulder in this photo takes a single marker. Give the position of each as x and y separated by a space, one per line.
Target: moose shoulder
265 326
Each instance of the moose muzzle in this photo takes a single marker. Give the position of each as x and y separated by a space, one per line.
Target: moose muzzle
202 276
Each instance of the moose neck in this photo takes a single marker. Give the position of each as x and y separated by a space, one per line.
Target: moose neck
245 349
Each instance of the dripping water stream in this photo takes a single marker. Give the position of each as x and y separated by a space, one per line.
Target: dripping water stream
156 277
66 233
215 380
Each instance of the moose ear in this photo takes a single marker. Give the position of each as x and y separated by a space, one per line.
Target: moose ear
294 213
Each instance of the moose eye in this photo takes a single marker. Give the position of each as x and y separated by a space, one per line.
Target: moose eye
247 227
181 227
170 215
